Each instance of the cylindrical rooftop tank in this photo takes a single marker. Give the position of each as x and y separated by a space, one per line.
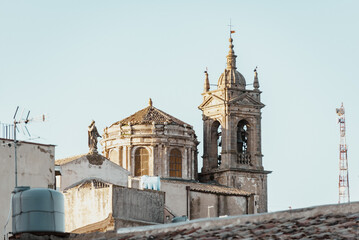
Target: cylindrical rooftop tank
37 210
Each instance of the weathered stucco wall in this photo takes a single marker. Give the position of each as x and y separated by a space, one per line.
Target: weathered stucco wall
203 205
138 205
232 205
175 197
79 169
87 203
255 183
35 169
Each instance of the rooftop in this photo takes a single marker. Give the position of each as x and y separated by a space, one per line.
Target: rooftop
208 188
339 221
149 115
20 141
93 158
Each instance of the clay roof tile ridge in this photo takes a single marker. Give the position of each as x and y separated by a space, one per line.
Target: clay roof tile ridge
148 115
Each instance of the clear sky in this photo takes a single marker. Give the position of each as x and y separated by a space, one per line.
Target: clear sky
102 60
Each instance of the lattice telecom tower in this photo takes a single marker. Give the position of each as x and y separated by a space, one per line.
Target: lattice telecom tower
343 159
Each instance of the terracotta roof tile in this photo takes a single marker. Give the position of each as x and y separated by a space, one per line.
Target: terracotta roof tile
209 188
101 226
148 115
323 222
339 221
63 161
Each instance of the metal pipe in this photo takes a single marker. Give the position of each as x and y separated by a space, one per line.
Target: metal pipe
247 207
15 148
209 207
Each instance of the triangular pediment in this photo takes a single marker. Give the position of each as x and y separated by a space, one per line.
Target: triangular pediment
212 100
246 99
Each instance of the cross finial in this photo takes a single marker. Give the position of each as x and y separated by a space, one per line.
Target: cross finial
230 28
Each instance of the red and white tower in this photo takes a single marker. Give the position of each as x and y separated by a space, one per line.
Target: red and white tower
343 159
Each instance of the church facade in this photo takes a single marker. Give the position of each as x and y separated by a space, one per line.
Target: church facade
232 151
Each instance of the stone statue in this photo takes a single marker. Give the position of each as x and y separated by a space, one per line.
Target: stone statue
92 137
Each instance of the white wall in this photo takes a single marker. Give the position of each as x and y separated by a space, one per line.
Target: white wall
86 204
35 169
80 169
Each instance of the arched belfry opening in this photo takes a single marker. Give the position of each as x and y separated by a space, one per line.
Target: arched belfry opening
216 142
243 142
242 136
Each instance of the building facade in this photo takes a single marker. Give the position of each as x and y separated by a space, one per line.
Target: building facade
35 168
94 205
232 153
154 143
75 169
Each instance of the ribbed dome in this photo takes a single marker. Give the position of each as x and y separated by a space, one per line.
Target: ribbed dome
231 78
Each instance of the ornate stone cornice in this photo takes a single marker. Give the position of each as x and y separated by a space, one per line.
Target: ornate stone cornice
236 170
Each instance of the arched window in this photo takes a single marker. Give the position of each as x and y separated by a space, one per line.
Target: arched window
141 161
243 142
113 156
242 136
216 142
175 163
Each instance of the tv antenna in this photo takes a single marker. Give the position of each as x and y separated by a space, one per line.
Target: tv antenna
21 121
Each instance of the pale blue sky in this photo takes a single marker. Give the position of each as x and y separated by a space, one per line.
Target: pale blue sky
102 60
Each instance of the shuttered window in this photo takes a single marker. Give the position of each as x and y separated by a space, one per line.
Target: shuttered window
141 161
175 163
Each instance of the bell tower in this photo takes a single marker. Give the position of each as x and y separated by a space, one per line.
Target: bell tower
232 152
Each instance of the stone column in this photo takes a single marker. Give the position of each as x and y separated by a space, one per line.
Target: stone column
157 161
190 163
185 164
151 163
165 161
129 161
206 143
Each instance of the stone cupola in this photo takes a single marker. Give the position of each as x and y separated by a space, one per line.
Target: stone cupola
154 143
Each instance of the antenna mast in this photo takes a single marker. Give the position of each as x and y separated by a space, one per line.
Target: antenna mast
16 122
344 196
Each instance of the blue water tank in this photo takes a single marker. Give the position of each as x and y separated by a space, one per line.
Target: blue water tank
37 210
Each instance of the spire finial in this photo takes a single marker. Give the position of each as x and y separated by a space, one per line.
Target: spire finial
206 81
231 57
256 82
150 102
